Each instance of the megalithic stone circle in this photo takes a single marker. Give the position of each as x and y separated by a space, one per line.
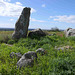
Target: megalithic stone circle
21 26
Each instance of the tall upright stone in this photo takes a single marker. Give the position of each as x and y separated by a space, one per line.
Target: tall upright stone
21 26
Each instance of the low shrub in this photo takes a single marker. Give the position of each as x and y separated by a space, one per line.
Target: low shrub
11 42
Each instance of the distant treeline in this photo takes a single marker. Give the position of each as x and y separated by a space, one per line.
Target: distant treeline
12 29
6 29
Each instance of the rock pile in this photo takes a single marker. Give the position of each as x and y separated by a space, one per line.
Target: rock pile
28 58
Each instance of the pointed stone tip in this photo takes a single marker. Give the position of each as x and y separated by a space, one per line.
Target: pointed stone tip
27 8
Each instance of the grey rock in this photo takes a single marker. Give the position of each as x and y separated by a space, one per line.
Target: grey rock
37 32
21 26
27 59
69 32
17 55
24 63
51 34
41 51
30 55
59 48
63 47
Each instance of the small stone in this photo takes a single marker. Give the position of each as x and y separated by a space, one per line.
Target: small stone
63 48
17 55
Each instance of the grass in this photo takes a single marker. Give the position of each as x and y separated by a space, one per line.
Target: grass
54 62
5 36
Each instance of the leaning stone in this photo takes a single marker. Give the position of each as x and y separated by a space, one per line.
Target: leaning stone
21 26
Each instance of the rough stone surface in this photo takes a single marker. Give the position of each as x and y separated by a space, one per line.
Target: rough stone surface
41 51
13 54
69 32
27 59
36 32
63 47
21 26
51 34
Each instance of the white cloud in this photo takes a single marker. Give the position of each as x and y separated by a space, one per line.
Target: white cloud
7 0
51 16
32 19
33 10
11 9
11 19
18 3
64 18
43 5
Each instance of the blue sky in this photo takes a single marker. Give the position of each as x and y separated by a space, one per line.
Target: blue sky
45 14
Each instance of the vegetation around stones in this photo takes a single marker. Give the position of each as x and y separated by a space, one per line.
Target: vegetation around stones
54 62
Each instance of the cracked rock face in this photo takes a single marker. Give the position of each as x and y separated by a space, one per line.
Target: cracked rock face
69 32
27 59
36 33
40 51
17 55
21 26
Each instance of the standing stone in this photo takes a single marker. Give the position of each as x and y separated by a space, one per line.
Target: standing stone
21 26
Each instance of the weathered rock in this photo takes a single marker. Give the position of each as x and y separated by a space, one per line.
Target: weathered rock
41 51
27 59
36 33
63 47
69 32
30 55
24 63
8 44
21 26
51 34
17 55
59 48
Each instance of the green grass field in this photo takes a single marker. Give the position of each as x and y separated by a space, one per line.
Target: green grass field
5 35
54 62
